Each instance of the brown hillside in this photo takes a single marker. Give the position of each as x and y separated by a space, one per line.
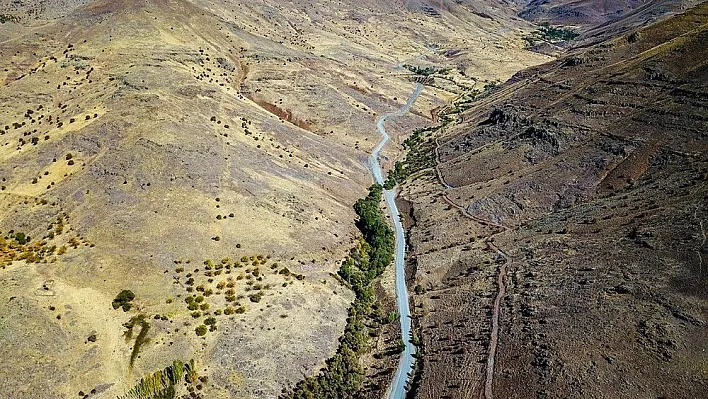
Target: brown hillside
580 185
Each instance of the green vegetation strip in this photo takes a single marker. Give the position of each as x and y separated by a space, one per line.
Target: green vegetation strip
163 384
550 34
419 156
343 377
420 146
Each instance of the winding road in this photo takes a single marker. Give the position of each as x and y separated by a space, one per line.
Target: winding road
405 365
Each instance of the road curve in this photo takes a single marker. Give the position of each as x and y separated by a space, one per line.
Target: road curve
405 365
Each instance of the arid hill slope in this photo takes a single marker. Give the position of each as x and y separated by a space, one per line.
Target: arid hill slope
593 13
208 151
581 182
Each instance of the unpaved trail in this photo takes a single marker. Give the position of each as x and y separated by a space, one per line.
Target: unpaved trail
501 287
494 340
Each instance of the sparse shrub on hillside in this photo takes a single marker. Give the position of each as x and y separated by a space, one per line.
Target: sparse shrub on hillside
123 300
256 297
201 330
21 238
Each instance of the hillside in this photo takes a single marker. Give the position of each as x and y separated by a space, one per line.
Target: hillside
593 14
204 156
573 196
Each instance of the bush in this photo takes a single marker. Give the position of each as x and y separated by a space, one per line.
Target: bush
21 238
123 300
201 330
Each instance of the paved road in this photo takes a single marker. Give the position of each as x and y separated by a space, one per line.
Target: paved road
405 365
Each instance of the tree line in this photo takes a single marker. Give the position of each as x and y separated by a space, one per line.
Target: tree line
343 376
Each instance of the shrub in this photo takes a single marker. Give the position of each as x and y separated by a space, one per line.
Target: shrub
21 238
201 330
123 299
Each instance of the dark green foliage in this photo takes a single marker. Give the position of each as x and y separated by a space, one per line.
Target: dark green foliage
393 316
163 383
139 340
376 232
123 300
343 377
425 71
201 330
551 34
400 346
21 238
395 176
420 155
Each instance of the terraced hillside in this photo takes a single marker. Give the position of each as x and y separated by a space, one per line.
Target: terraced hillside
578 190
